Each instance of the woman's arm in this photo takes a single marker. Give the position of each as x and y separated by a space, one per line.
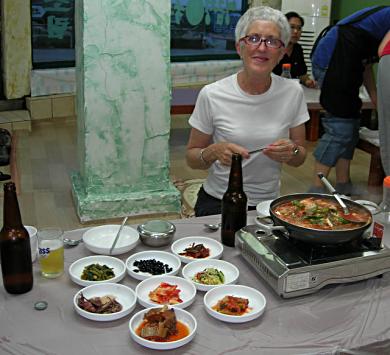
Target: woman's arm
197 157
369 83
201 154
298 137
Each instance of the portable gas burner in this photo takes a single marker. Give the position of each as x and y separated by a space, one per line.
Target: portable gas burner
294 268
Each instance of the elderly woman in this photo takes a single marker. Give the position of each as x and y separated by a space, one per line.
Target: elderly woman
246 111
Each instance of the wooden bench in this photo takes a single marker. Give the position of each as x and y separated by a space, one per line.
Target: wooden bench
376 173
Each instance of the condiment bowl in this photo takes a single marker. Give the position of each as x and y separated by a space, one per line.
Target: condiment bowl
156 233
162 256
256 306
187 290
214 246
99 239
181 315
76 269
230 272
122 294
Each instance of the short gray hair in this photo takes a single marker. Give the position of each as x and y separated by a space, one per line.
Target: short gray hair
263 13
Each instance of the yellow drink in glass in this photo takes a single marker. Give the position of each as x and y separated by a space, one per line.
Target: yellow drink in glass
51 256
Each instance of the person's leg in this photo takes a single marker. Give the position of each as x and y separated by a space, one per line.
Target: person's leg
343 171
343 177
336 143
318 186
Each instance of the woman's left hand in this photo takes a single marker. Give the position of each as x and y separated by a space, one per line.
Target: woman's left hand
281 151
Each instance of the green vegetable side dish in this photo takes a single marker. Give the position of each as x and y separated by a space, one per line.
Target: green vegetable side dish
97 272
209 276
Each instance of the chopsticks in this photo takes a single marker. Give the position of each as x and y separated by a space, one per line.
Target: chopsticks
257 150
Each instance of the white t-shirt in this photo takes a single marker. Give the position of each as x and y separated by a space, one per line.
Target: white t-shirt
226 112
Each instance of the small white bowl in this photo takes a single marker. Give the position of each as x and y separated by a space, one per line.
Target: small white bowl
123 294
167 258
181 315
263 208
215 247
187 290
99 239
76 269
229 270
257 302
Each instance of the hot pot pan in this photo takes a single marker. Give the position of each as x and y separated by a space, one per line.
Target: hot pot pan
317 236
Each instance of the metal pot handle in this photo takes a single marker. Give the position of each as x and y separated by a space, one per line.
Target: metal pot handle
267 224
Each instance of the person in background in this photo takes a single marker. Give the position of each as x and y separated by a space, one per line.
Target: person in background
342 61
383 87
247 111
294 52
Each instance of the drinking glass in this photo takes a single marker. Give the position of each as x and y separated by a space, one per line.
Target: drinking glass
51 252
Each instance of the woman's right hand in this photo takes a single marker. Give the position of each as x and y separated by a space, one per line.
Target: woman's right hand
223 152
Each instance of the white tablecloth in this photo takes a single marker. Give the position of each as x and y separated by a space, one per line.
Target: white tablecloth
349 318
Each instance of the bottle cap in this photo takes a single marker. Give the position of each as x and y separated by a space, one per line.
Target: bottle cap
386 181
286 66
40 305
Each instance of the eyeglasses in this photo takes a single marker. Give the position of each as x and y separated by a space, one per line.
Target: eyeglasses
296 28
255 41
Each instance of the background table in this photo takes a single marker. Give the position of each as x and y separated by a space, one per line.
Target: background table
349 316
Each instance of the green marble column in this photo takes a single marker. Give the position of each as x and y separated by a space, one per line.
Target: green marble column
123 109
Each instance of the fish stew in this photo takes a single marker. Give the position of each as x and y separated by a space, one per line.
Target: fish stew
320 213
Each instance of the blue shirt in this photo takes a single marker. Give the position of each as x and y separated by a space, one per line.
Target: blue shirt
376 24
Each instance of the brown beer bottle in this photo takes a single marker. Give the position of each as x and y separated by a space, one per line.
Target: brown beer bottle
234 203
15 250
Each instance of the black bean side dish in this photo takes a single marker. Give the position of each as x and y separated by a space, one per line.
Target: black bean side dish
152 266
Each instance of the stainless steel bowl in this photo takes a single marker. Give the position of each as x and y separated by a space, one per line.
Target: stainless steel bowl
156 233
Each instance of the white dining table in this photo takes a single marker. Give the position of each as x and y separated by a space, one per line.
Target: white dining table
349 318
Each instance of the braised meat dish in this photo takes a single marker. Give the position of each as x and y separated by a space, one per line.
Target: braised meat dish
159 323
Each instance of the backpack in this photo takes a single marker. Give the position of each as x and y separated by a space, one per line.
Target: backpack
355 20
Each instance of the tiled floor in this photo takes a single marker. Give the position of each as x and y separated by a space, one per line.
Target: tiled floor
47 155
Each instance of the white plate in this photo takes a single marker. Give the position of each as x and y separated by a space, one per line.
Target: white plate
256 299
123 294
167 258
215 247
76 269
263 208
181 315
229 270
99 239
187 290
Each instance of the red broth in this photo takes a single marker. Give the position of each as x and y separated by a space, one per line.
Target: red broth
182 332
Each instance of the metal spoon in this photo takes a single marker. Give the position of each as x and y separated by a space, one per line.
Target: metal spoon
72 242
213 227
